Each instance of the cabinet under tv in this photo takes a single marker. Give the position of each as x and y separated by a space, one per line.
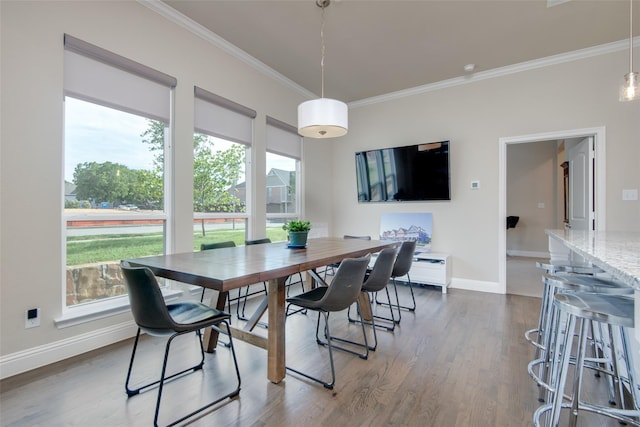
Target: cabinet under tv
430 268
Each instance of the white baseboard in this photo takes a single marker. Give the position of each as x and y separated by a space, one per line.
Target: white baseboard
475 285
529 254
32 358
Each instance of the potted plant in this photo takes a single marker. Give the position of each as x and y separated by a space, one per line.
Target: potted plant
298 232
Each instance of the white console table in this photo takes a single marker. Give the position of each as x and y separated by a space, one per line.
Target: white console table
431 268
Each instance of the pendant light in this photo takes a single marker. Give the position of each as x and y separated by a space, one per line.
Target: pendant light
323 117
630 89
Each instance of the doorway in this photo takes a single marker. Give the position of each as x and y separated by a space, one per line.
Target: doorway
598 181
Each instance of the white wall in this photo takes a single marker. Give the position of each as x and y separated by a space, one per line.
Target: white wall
32 149
575 95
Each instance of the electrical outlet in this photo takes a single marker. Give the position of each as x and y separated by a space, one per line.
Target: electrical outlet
32 318
475 185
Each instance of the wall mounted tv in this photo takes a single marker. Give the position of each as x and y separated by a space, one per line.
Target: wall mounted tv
411 173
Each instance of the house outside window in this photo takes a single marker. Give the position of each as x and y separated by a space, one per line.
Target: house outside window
284 151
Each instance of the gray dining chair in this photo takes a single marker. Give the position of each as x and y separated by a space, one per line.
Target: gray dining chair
343 291
156 318
331 268
375 281
401 268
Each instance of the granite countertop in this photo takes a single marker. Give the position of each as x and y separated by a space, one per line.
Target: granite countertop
617 252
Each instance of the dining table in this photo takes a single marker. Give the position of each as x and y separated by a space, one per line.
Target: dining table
226 269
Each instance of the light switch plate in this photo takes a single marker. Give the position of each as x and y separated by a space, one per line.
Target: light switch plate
631 194
475 185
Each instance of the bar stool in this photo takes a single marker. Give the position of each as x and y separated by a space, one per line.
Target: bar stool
548 323
615 313
552 268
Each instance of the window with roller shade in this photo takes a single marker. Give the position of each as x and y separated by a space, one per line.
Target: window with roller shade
116 124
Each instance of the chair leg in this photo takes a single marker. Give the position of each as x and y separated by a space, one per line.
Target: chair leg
163 378
366 346
328 385
373 327
391 306
132 392
397 305
372 324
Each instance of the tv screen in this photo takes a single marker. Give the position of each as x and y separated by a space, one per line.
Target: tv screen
414 172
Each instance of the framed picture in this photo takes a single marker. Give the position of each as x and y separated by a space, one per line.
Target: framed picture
408 226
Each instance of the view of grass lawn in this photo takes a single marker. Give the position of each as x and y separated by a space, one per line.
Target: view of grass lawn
115 247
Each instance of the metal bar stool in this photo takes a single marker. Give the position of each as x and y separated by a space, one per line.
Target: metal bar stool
578 310
553 268
554 284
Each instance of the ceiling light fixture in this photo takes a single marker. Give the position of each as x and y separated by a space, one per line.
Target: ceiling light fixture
630 89
323 117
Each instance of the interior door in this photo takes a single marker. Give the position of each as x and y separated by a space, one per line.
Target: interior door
580 156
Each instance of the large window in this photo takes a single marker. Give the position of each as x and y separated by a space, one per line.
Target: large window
116 134
221 151
283 176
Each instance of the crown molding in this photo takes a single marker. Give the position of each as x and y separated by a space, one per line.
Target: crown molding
189 24
500 72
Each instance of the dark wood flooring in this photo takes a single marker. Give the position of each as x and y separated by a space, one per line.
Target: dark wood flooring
459 360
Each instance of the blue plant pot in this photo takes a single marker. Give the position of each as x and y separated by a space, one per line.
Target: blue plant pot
298 239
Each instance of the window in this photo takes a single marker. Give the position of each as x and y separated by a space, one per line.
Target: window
221 149
116 128
283 172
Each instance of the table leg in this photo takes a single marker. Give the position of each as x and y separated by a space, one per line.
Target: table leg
365 306
210 339
275 345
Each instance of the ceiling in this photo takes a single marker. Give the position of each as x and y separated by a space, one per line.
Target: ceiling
380 47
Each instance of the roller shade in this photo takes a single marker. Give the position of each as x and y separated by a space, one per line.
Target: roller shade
222 118
102 77
283 139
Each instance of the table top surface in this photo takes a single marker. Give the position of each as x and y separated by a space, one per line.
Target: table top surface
229 268
617 252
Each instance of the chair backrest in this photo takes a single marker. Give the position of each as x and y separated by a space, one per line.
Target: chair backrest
217 245
350 236
381 272
346 284
257 241
404 258
147 304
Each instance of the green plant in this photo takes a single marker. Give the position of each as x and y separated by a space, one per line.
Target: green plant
297 226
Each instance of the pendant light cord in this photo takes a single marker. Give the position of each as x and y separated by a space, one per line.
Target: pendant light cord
630 36
322 50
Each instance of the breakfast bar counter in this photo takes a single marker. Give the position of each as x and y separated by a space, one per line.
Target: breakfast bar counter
616 252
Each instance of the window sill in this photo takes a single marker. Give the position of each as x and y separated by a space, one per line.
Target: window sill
99 310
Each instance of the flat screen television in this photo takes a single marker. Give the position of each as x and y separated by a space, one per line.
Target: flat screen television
410 173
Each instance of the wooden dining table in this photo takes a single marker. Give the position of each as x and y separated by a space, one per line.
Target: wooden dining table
225 269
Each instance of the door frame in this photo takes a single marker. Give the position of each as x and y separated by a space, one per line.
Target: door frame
599 135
